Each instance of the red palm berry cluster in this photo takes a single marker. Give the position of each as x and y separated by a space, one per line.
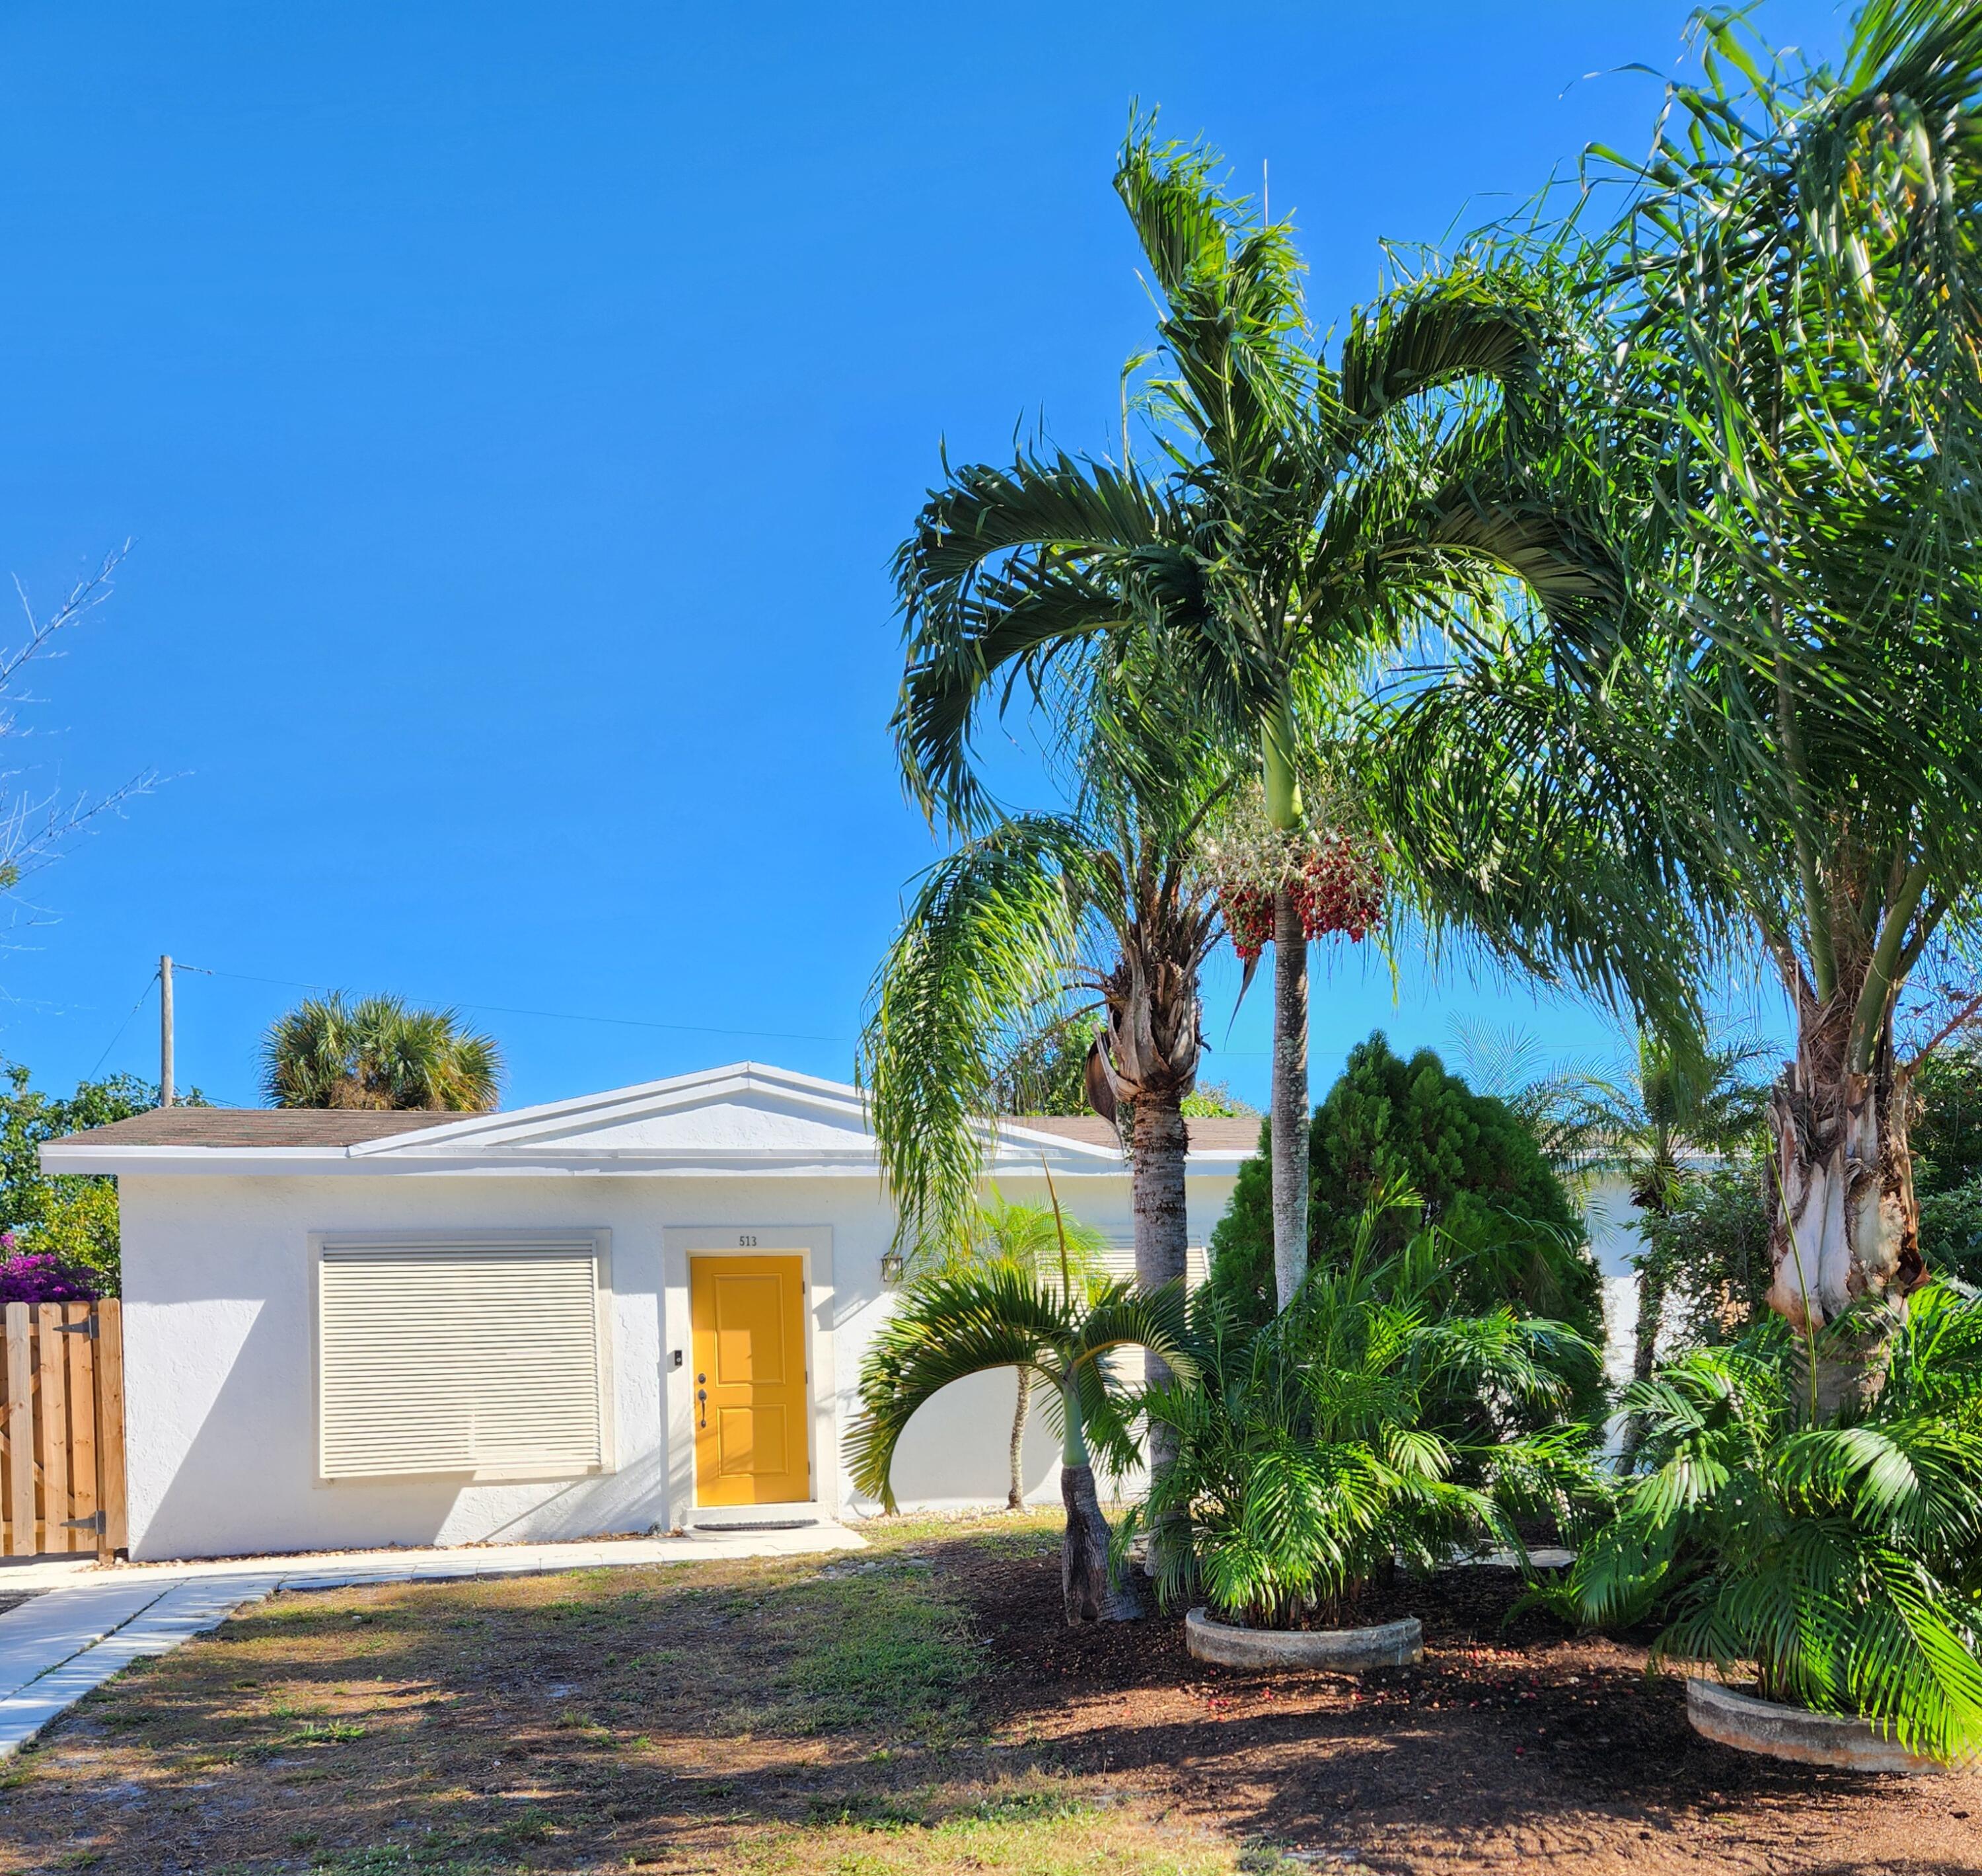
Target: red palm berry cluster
1248 913
1335 889
1339 890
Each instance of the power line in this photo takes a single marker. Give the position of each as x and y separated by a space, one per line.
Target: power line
508 1009
142 995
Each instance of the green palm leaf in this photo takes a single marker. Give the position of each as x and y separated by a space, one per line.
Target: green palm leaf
1841 1558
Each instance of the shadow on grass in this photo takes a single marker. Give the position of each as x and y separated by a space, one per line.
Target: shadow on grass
788 1714
914 1708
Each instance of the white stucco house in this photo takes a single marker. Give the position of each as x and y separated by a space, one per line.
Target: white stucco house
645 1308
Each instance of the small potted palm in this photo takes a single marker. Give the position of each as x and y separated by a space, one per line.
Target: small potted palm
1828 1569
1054 1328
1363 1427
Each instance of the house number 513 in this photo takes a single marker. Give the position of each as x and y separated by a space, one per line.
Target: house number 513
745 1241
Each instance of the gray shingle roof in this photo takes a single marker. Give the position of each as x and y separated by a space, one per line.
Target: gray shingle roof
255 1126
346 1126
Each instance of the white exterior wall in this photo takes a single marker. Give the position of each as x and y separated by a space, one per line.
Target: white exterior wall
1616 1237
220 1344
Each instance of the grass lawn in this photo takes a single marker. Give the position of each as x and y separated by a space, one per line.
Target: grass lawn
914 1708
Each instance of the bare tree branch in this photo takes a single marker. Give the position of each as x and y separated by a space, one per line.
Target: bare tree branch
34 830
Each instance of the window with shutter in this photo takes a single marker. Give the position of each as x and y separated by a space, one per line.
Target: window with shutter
465 1357
1116 1261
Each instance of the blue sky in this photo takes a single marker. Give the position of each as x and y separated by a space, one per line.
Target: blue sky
512 409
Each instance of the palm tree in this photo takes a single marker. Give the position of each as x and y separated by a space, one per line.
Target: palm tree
1784 723
1680 1103
1028 1238
1839 1559
945 1328
1303 513
1317 1450
1047 1070
1108 907
378 1052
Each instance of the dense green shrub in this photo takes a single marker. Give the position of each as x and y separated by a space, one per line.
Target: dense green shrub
1950 1231
1944 1132
1474 1164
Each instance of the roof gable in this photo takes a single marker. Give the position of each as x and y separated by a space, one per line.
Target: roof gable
745 1108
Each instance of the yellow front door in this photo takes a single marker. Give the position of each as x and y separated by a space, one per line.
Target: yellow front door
748 1315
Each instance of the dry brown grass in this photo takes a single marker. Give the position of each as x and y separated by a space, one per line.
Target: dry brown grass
810 1715
916 1708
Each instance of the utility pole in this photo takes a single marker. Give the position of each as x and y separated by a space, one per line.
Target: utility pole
165 1031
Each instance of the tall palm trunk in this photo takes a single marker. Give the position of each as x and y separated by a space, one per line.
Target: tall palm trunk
1159 1141
1159 1144
1014 1499
1290 1116
1290 1120
1148 1067
1845 1225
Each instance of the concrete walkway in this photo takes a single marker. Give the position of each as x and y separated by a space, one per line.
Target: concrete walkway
84 1622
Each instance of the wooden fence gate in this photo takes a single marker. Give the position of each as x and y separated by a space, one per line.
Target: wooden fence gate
62 1429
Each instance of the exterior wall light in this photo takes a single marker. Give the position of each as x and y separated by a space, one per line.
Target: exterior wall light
891 1268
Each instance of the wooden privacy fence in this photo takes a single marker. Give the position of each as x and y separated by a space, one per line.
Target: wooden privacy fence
61 1428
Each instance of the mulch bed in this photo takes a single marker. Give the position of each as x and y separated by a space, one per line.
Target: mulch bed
1521 1742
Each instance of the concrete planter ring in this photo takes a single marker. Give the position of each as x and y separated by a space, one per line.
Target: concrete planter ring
1333 1650
1733 1718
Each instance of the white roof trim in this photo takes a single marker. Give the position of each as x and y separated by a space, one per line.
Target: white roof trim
759 1121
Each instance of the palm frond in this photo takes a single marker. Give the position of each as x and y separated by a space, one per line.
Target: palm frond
1009 570
1462 322
1841 1558
942 1330
989 940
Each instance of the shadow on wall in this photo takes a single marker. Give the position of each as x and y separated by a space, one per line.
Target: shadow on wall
246 1483
957 1452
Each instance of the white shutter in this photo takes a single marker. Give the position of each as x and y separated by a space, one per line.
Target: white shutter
1116 1261
459 1357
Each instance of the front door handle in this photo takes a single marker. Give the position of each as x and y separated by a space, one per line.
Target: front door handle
702 1406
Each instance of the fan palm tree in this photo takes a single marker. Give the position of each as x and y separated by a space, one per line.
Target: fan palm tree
947 1327
1300 513
1028 1238
378 1052
1680 1102
1784 719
